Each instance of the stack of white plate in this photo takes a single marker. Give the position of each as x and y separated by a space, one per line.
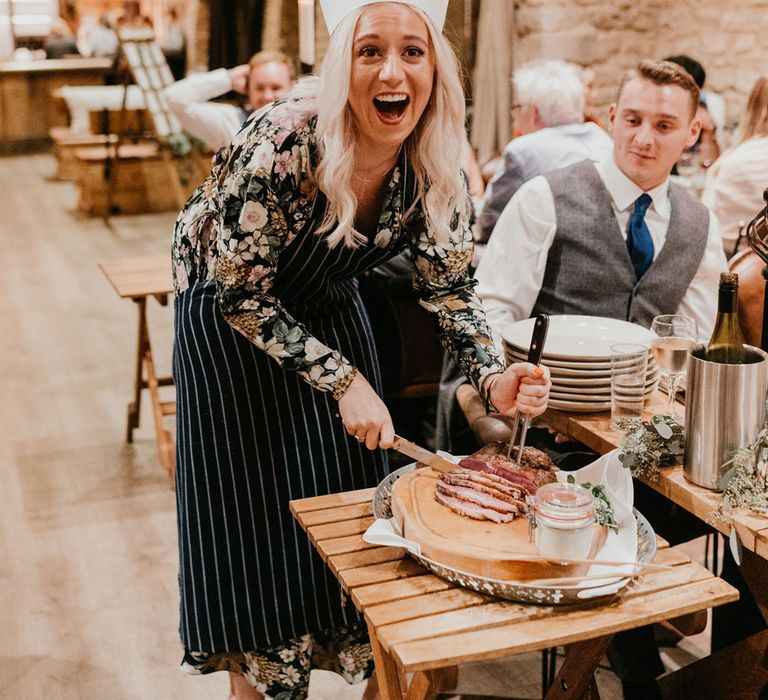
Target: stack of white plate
578 354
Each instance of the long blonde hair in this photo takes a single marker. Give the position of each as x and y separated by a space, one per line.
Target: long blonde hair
433 150
755 119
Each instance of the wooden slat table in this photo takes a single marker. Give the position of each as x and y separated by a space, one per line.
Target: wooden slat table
423 624
594 430
137 278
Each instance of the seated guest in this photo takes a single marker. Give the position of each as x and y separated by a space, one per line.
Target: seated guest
711 111
735 183
563 244
553 133
587 76
174 44
103 42
131 17
616 239
268 76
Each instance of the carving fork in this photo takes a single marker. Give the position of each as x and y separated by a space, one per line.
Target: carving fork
539 337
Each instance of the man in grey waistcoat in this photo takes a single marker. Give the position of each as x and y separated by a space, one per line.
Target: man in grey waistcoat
616 239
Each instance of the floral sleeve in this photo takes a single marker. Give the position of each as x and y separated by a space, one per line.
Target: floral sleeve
254 232
447 290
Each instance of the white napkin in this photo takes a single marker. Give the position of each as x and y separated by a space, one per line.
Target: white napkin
618 546
387 533
621 546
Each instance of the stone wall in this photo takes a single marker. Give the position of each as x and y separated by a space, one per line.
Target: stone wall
730 39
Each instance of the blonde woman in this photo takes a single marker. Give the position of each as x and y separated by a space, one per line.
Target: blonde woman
735 183
276 372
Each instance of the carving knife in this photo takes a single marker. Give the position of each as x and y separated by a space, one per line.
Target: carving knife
421 454
538 338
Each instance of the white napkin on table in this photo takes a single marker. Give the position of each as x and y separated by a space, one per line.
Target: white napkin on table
619 546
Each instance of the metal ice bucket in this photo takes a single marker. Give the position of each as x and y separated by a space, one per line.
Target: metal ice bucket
724 411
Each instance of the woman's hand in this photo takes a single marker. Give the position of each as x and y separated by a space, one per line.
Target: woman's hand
365 416
521 387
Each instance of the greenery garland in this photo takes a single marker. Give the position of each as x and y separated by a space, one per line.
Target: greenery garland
653 445
745 484
660 442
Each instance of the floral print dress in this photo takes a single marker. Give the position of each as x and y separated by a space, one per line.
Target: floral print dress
269 330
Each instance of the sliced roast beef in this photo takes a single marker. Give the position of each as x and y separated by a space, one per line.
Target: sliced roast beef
489 479
536 477
486 487
537 459
532 458
474 463
490 482
473 510
481 498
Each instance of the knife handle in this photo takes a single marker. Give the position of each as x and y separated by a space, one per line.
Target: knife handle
539 337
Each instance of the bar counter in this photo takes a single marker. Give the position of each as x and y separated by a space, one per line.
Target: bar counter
28 109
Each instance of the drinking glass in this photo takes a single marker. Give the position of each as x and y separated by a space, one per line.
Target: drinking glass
674 335
628 374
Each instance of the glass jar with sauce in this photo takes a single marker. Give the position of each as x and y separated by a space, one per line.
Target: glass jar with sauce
565 514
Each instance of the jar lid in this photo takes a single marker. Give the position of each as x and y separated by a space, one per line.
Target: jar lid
564 503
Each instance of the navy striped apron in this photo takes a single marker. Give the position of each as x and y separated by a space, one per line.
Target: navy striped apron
250 438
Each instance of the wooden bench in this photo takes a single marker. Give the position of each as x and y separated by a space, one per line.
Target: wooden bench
66 142
136 279
422 624
134 180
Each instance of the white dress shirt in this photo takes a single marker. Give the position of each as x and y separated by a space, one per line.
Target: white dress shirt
214 123
511 272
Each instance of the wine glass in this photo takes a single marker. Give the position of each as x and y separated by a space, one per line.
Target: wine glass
675 335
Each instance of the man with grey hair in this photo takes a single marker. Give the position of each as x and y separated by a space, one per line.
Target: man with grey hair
564 244
549 116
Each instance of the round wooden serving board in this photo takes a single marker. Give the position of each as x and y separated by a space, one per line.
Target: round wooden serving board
479 547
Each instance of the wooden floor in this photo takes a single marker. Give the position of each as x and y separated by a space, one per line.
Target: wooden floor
88 590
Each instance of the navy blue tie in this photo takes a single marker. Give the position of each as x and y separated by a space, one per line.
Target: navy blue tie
639 241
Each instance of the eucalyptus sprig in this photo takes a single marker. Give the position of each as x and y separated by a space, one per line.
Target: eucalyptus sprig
655 444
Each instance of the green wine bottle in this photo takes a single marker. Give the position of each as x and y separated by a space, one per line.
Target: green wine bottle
726 346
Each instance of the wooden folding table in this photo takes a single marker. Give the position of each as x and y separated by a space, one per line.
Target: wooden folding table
137 278
424 624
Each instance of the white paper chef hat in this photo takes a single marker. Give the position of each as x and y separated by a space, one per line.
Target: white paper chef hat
335 10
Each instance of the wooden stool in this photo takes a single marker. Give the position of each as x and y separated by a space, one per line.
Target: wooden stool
136 279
